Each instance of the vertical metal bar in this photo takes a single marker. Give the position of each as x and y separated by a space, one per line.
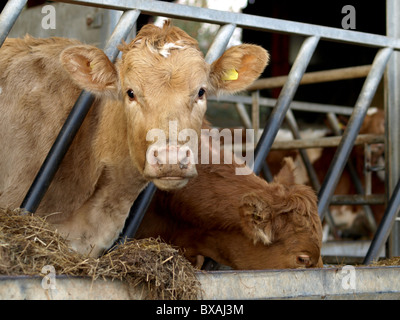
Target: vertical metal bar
285 98
392 118
255 114
385 226
353 127
8 16
72 124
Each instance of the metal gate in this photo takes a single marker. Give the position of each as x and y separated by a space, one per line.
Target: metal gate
387 58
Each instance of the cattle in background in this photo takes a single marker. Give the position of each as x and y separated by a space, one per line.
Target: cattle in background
239 220
161 78
351 217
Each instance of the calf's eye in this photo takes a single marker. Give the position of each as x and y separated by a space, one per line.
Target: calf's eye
201 93
130 94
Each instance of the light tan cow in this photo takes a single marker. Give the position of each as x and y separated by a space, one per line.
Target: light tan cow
162 78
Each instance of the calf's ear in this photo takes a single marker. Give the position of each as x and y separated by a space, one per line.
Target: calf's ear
256 219
238 67
90 69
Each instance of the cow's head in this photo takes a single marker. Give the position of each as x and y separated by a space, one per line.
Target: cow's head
163 82
283 225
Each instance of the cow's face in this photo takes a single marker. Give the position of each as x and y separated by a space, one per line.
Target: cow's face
163 82
284 227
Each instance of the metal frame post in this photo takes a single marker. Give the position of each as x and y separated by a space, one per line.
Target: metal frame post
392 117
74 121
353 127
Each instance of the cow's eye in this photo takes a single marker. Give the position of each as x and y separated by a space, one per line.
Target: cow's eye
130 94
201 93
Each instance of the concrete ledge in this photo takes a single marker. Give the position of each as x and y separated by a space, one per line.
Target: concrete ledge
327 283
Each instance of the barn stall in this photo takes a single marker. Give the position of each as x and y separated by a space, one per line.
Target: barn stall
100 18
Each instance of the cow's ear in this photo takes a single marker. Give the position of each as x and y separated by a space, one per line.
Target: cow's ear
90 69
286 175
237 68
256 219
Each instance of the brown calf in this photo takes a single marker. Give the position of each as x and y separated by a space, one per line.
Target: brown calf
162 78
239 220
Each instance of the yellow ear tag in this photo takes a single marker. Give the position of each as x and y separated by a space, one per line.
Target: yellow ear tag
230 75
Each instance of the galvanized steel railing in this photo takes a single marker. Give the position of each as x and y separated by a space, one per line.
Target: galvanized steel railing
228 20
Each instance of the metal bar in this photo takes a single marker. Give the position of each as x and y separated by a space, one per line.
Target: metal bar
385 226
220 42
392 118
285 98
357 199
244 117
73 123
295 105
8 16
241 20
314 77
255 114
325 142
334 124
137 212
291 122
353 127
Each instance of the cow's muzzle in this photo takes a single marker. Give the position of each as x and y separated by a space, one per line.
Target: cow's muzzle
170 167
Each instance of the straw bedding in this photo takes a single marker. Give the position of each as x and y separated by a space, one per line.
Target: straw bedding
27 244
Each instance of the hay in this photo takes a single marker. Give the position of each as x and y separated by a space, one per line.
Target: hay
27 244
395 261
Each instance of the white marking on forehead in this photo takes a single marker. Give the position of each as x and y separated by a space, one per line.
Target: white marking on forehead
371 111
165 50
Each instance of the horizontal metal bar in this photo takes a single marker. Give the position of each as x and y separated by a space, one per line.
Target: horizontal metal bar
357 199
241 20
325 142
294 105
314 77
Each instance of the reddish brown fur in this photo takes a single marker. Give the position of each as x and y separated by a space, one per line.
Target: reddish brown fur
239 221
106 167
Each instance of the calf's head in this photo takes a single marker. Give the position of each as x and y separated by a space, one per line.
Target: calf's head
283 224
162 81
